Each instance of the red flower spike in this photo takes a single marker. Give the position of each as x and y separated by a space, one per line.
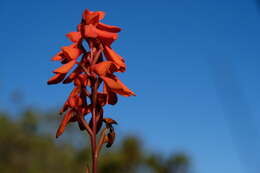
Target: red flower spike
91 72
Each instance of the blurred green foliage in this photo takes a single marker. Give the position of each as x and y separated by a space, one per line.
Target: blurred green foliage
27 145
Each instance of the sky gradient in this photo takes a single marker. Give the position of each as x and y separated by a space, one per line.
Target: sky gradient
194 66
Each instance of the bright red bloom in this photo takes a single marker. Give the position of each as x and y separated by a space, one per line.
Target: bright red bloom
113 56
66 67
115 85
74 36
90 72
104 68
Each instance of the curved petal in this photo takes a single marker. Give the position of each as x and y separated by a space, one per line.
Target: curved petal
74 36
111 55
92 32
103 68
71 52
117 86
91 17
126 90
72 76
64 123
57 57
108 28
101 14
65 68
89 31
57 78
111 96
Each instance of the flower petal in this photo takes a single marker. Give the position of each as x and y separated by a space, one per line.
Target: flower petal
66 105
111 96
65 68
91 17
74 36
89 31
57 57
111 55
92 32
103 68
57 78
108 28
127 91
101 14
117 86
72 76
64 122
71 52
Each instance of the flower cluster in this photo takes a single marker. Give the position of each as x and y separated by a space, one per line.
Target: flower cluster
91 68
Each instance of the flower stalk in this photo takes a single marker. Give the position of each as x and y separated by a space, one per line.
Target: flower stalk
89 69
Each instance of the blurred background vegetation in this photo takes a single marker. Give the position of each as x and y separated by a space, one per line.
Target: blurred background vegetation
28 145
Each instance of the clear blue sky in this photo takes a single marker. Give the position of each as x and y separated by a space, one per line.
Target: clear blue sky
193 64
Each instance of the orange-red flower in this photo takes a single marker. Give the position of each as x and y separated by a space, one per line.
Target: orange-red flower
90 17
58 57
115 85
66 67
111 55
56 78
90 71
90 31
74 36
64 122
104 68
71 52
108 28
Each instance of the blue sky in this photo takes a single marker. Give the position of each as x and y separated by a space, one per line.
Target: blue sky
193 64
